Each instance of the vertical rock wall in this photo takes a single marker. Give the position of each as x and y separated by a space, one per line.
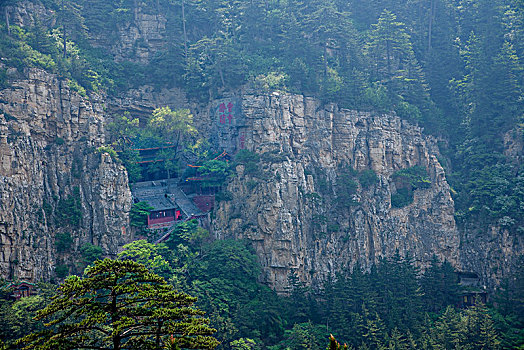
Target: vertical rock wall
289 209
48 140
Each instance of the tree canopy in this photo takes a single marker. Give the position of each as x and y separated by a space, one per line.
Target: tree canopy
119 304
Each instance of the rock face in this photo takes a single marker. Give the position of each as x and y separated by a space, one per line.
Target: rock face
137 38
291 207
494 251
49 167
25 13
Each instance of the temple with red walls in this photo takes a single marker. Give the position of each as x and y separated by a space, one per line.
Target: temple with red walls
170 204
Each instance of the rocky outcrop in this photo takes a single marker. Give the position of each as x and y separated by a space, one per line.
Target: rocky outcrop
492 252
50 171
141 102
291 207
139 34
514 145
26 13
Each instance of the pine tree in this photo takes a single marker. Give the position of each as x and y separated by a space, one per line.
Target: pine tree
120 305
480 330
334 345
440 286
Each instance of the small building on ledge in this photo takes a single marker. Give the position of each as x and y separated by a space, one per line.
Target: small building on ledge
157 195
165 212
20 290
170 203
471 289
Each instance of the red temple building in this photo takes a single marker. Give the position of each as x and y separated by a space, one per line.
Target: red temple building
20 290
169 202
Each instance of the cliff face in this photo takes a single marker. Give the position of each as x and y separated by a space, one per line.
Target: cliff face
302 208
291 208
52 180
495 251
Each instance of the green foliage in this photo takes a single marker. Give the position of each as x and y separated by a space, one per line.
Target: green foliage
90 253
244 157
383 308
471 328
367 178
243 344
173 126
215 173
187 232
335 345
69 210
108 150
63 242
303 336
492 193
122 130
250 160
171 132
440 286
139 213
402 198
17 317
347 187
150 255
74 86
130 159
62 271
406 181
271 81
89 312
416 176
226 283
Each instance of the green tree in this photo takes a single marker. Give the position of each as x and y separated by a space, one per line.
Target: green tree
139 213
440 286
120 305
480 330
90 253
69 209
123 129
215 172
172 128
395 66
243 344
304 336
225 280
153 256
334 345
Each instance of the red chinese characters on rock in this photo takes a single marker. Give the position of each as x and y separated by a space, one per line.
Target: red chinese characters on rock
222 113
225 112
230 112
243 140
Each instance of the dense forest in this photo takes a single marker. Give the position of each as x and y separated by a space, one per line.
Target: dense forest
454 67
391 307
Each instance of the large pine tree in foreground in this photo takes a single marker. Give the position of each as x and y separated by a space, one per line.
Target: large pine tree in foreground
121 305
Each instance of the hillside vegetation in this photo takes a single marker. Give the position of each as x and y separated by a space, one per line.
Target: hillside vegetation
454 67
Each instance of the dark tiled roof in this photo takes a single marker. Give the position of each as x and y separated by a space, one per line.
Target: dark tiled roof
159 203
